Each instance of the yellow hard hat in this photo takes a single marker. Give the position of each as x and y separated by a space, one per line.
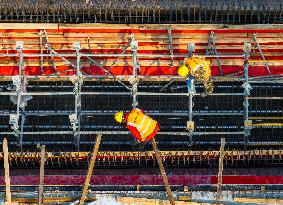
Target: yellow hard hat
183 71
119 116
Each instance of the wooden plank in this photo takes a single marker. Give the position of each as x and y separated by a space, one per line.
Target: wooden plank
7 174
163 173
220 171
68 45
145 201
144 26
41 175
128 62
141 37
258 200
90 169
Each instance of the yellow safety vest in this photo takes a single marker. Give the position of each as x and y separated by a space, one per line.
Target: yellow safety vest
143 123
194 63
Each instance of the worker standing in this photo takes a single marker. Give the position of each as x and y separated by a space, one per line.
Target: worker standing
197 68
144 129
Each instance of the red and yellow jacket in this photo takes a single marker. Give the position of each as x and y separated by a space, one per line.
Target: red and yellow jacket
141 125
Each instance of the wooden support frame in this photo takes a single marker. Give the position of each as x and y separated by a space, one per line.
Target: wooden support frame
163 173
219 182
90 169
41 175
7 174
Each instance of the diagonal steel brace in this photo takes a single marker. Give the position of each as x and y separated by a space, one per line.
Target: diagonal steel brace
107 71
211 50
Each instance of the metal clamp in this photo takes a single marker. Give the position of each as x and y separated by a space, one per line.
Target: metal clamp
74 121
190 126
247 127
247 86
14 119
191 49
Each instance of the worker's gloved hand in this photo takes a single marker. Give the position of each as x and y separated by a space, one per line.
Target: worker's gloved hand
188 81
135 142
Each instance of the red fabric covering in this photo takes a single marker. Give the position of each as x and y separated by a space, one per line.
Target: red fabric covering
144 70
145 179
136 133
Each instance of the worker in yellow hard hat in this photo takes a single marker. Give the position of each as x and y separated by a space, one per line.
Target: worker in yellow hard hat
119 116
197 68
143 127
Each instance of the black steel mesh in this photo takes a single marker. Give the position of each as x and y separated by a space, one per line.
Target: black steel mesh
212 114
141 11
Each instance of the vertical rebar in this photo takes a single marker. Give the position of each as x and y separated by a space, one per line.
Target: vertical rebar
170 47
19 89
134 47
78 86
247 88
41 52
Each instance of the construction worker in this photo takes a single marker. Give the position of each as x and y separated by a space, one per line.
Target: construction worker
197 68
143 127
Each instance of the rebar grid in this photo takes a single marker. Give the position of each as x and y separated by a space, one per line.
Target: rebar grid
218 115
121 11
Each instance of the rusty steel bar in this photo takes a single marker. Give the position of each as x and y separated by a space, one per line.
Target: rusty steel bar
220 172
90 169
163 173
41 175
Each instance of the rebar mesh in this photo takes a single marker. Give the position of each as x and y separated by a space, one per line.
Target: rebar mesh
139 11
215 116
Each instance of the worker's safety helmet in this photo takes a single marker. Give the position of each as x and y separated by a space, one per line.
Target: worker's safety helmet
119 116
183 71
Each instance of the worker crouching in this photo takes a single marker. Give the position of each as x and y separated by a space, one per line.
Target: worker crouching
143 127
197 68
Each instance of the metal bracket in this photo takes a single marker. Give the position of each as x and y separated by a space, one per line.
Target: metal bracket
14 122
247 86
74 121
19 45
190 126
261 53
46 44
41 51
247 127
191 49
211 50
133 80
134 48
171 47
192 89
19 100
77 45
190 123
74 79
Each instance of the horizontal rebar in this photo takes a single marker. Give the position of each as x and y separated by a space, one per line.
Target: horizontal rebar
119 133
116 93
117 55
183 142
184 113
